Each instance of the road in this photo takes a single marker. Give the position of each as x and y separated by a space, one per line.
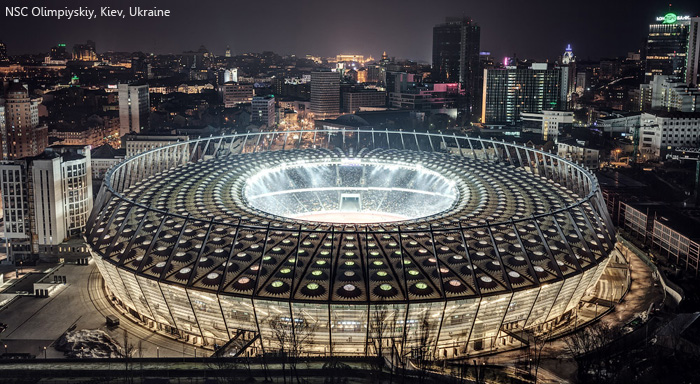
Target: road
152 343
35 323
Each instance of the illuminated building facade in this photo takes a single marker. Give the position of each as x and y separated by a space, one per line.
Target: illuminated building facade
134 108
325 94
510 91
22 136
673 48
230 241
46 199
456 47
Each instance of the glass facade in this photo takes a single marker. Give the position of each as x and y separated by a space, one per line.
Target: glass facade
442 328
192 261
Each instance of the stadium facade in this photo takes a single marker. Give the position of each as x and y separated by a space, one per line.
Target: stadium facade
351 242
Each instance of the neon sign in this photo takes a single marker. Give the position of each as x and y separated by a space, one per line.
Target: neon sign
671 18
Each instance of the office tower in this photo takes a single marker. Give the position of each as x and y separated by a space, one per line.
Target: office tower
3 53
228 52
325 94
692 73
263 110
22 136
46 199
356 98
672 48
456 56
134 106
510 91
59 52
236 93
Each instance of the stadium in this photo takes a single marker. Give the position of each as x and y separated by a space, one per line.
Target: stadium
350 242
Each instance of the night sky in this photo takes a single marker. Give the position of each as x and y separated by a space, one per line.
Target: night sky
529 29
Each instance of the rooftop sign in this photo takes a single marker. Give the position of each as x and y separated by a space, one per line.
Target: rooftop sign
671 18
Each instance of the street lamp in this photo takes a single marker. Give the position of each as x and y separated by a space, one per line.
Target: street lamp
44 353
158 352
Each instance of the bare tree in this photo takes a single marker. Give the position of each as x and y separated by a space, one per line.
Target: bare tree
588 348
378 327
537 342
292 335
423 353
127 352
224 366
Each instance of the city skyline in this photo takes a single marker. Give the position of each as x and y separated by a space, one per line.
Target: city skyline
403 29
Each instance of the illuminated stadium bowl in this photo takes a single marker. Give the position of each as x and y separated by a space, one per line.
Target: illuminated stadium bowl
337 242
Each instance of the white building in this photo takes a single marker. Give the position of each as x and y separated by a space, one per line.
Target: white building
263 110
134 106
231 74
47 199
103 158
579 152
664 94
550 122
662 132
135 144
619 124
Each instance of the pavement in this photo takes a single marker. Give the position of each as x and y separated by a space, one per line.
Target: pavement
35 323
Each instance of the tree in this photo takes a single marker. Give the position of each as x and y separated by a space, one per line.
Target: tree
589 348
292 335
536 345
126 352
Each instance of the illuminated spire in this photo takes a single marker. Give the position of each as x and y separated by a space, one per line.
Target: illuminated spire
568 56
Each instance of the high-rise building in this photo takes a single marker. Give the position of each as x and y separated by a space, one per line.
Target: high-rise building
134 107
263 110
456 56
692 72
3 53
568 77
664 94
325 94
673 48
236 93
22 136
228 52
59 52
510 91
46 199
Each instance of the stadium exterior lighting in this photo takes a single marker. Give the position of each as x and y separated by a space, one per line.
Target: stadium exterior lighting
494 240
